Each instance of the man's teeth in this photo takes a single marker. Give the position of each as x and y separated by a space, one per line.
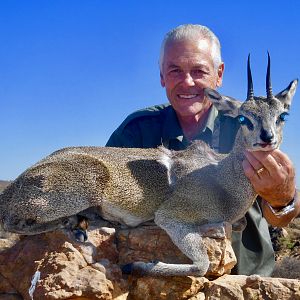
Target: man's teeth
187 96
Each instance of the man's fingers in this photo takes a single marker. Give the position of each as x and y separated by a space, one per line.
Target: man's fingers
272 175
255 163
284 161
279 156
250 172
272 161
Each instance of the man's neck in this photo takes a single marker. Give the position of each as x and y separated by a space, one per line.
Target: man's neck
191 125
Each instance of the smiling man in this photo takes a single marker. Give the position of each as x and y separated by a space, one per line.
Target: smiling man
190 60
188 67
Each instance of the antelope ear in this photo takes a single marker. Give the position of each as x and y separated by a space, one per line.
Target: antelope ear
227 105
287 94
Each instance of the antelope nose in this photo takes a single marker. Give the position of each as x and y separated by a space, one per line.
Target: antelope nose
266 136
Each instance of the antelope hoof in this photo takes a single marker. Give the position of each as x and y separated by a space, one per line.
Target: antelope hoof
80 235
136 268
127 269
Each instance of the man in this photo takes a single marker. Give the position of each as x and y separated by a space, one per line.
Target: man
190 61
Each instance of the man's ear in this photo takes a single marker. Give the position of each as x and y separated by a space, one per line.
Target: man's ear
287 94
227 105
220 74
162 81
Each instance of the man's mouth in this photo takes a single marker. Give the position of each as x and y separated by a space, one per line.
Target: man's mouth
185 96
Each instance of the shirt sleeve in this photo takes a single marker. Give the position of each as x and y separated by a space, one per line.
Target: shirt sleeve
128 136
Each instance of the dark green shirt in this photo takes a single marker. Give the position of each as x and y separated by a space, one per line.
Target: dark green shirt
158 125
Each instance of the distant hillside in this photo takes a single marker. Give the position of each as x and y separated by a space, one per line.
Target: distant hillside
4 184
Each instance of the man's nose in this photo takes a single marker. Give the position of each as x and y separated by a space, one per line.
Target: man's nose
188 79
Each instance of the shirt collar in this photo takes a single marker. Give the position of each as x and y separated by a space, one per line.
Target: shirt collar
173 130
210 122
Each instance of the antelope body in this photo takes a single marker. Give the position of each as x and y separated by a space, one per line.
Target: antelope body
183 191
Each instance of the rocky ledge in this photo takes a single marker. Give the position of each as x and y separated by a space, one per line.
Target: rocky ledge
55 266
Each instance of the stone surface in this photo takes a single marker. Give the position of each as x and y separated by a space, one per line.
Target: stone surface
68 269
55 266
10 297
152 243
173 288
227 287
239 287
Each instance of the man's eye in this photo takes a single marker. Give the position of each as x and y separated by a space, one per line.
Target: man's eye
198 72
174 71
245 121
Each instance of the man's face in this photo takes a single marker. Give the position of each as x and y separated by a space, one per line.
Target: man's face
187 69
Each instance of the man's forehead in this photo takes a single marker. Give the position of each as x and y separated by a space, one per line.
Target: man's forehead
189 45
194 51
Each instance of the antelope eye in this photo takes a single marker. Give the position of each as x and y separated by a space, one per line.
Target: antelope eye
242 119
283 117
245 121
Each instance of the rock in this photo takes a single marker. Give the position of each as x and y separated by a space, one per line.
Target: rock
175 288
6 286
55 266
239 287
7 240
10 297
150 243
227 287
68 269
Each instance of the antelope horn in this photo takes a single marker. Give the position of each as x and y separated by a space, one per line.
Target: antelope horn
268 80
250 93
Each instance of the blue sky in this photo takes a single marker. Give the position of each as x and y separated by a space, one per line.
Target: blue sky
71 71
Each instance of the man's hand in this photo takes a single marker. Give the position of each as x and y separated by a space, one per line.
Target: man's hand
275 180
